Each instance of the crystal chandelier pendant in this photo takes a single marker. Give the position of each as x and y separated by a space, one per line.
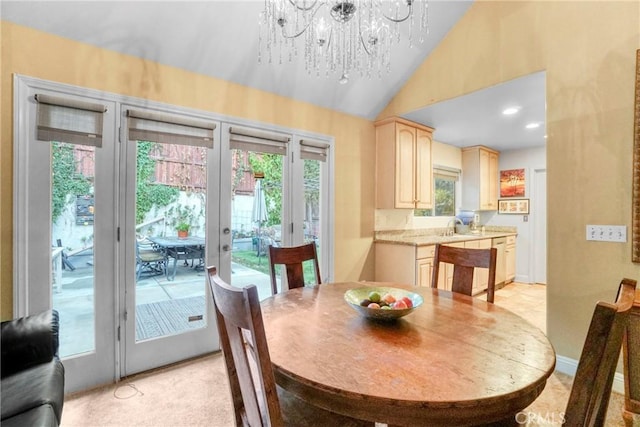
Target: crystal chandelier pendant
338 37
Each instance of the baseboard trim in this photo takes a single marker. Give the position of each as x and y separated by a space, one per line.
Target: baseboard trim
569 366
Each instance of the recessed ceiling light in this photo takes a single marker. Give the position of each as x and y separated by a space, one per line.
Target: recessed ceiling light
533 125
511 110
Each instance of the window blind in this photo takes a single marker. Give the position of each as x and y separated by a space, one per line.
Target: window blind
313 150
169 128
262 141
445 172
68 120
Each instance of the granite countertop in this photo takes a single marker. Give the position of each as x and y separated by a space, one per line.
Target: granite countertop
433 236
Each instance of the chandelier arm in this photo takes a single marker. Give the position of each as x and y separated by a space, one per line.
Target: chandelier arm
305 9
364 45
399 20
306 27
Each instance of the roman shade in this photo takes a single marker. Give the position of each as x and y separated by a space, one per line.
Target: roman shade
69 120
169 128
445 172
249 139
313 150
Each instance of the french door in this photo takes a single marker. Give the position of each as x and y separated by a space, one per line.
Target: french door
275 190
104 184
168 179
90 192
66 225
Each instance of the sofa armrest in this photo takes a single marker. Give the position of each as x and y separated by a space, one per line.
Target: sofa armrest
28 341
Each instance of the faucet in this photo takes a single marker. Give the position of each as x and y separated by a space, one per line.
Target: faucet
455 221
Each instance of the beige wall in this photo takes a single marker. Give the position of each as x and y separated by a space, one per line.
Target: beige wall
36 54
588 51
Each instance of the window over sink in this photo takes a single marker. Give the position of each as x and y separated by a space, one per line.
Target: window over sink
445 192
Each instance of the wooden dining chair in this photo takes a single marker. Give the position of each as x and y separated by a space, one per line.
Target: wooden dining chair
631 355
257 400
292 258
591 388
465 261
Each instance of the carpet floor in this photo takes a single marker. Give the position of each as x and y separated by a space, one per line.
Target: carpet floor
196 392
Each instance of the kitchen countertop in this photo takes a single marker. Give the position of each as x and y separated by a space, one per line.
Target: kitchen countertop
425 239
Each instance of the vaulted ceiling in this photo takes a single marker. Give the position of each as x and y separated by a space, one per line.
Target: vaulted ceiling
220 39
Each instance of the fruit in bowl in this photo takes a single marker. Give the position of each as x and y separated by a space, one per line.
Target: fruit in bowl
383 303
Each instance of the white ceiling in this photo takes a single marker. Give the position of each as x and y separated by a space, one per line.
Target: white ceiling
477 118
220 39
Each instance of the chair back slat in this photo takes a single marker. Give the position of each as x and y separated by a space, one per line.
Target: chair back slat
631 352
591 389
251 378
292 258
465 261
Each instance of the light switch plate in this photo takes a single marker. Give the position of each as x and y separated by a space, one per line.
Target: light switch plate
607 233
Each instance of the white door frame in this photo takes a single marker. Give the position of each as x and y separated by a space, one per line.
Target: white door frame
31 229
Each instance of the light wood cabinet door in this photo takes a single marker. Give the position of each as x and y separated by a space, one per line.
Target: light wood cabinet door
494 182
510 259
424 269
501 262
423 170
403 165
480 178
405 189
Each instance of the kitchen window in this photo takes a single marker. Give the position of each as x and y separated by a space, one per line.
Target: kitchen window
445 192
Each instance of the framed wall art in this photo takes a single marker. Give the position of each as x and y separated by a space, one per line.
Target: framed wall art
513 206
512 183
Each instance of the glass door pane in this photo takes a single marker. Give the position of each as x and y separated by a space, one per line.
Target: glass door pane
170 239
168 316
72 265
256 216
312 170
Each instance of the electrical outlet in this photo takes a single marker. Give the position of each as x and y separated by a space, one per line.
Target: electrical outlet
607 233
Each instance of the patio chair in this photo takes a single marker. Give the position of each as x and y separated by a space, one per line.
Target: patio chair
150 261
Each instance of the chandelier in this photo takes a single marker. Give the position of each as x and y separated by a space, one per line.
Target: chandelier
337 37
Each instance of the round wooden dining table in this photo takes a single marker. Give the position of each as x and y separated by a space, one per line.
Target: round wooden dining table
453 361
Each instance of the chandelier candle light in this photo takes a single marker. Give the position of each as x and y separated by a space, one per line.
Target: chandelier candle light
338 36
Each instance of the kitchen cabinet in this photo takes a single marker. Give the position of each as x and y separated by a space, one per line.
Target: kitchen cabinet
510 259
406 264
480 180
501 262
403 165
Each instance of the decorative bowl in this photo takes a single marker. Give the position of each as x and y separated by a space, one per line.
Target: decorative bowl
355 296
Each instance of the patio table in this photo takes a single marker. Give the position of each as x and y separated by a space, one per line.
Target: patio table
180 248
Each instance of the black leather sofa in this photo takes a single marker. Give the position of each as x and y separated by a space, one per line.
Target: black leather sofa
32 376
